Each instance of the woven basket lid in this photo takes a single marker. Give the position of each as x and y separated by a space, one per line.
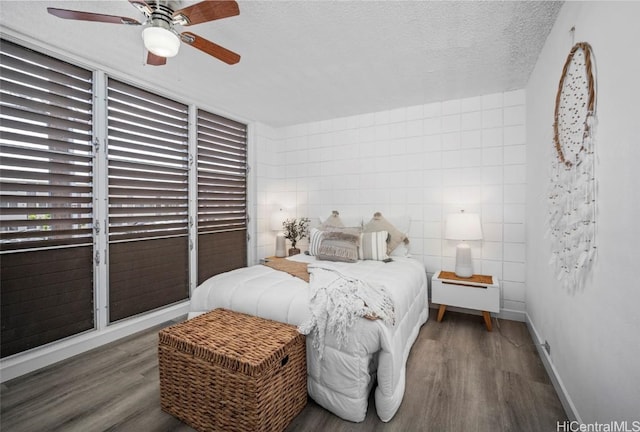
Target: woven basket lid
236 341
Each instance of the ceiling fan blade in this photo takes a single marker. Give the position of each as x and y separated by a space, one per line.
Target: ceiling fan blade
207 10
210 48
90 16
155 60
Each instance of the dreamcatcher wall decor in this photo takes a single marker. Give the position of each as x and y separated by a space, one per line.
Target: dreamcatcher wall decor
572 194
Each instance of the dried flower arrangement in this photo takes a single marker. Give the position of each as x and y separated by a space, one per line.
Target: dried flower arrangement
295 230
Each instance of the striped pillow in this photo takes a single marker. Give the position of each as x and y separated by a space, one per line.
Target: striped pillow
314 241
373 245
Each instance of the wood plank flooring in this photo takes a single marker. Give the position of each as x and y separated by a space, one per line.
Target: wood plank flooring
459 378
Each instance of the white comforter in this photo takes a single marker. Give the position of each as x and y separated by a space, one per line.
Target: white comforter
342 380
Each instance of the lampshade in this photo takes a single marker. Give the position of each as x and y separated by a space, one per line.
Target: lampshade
277 217
161 41
463 226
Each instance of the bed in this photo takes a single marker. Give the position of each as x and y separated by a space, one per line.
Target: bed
342 378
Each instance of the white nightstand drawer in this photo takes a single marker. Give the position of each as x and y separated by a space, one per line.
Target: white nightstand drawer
466 296
480 293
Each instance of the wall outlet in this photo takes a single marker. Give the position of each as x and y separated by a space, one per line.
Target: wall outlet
547 347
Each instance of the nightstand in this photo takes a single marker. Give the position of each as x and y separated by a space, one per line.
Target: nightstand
478 292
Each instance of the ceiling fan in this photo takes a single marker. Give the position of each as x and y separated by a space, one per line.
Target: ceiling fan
160 36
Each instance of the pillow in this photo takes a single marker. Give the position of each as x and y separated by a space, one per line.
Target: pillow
332 221
315 238
403 223
339 245
402 250
373 245
337 220
379 223
355 222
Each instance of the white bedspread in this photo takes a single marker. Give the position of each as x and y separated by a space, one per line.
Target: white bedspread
342 380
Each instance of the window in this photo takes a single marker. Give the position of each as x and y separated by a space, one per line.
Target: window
53 190
148 200
46 181
222 195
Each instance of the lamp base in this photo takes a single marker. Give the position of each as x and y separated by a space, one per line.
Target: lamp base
280 246
464 265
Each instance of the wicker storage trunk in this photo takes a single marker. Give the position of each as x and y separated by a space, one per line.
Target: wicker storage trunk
226 371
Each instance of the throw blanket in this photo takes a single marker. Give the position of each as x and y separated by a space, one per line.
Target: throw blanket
294 268
337 301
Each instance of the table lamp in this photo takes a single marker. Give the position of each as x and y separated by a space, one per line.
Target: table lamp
276 225
463 226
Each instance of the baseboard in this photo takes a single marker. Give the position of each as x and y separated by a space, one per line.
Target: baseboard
511 314
565 399
23 363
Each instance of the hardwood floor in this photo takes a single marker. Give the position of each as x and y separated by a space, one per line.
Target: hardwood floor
459 378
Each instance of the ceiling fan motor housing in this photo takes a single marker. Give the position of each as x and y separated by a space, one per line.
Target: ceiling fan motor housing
161 15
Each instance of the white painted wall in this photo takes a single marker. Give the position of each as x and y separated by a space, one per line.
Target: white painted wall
594 332
266 170
423 161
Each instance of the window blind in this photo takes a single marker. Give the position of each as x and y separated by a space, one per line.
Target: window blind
222 194
46 151
46 181
148 171
148 200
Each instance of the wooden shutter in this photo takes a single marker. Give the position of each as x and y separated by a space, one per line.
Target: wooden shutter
46 189
148 200
222 195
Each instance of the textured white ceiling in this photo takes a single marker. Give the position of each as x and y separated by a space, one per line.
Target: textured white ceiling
312 60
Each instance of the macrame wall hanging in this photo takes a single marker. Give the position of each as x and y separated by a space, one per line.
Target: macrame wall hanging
572 192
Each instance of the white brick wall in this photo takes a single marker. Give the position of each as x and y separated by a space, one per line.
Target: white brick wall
424 161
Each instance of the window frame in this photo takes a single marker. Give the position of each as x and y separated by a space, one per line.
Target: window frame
47 147
100 187
222 194
148 204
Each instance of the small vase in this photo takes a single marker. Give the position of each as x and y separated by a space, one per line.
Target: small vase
294 251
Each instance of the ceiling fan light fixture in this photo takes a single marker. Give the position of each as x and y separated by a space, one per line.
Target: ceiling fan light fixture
161 41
